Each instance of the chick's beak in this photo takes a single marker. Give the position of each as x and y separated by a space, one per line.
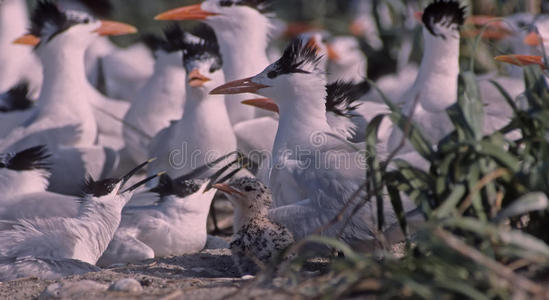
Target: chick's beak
357 28
196 79
521 60
532 39
225 188
241 86
263 103
27 39
114 28
191 12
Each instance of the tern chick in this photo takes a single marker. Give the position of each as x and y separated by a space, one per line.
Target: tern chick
257 239
57 247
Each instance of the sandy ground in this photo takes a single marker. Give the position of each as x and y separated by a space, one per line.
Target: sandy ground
207 275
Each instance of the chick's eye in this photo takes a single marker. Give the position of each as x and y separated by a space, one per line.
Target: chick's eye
248 188
271 74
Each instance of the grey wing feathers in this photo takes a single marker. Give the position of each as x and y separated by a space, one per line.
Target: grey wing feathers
45 268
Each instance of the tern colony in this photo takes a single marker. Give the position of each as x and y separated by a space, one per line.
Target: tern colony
75 107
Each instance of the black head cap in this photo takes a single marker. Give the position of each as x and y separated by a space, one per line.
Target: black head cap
342 97
99 188
101 8
16 99
173 40
204 49
444 13
48 20
180 188
296 56
263 6
30 159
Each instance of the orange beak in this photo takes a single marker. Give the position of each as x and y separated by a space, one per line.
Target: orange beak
356 28
114 28
521 60
196 79
241 86
532 39
27 39
225 188
263 103
191 12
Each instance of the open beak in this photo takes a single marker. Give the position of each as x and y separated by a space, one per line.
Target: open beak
191 12
241 86
521 60
532 39
225 188
142 182
130 174
27 39
263 103
196 79
114 28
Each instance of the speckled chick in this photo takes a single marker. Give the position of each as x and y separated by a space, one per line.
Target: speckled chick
256 239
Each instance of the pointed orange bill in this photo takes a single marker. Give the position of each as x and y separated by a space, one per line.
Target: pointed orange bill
241 86
114 28
196 79
27 39
225 188
190 12
532 39
263 103
521 60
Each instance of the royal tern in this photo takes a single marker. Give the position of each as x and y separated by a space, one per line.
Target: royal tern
255 238
435 87
204 133
162 98
314 172
242 28
174 225
50 247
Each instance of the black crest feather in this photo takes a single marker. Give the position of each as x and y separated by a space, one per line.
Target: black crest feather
448 11
99 188
342 97
206 48
16 99
263 6
295 56
101 8
30 159
47 12
178 187
172 41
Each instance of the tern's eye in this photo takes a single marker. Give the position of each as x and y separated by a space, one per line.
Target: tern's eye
2 165
86 21
271 74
